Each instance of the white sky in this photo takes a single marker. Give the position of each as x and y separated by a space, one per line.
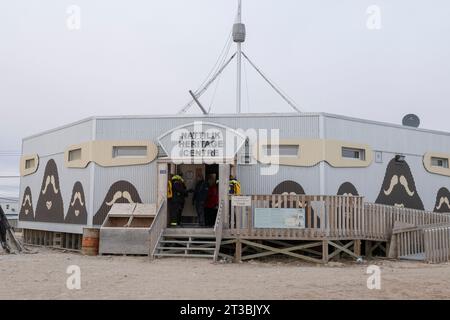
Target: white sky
142 57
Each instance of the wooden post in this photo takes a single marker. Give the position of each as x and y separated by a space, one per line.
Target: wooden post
224 185
325 251
357 248
238 254
368 247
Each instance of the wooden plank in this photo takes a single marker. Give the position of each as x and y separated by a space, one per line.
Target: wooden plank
287 248
357 248
233 218
282 251
124 241
343 249
238 252
325 257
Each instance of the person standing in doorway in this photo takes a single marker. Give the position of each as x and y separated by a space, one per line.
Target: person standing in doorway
233 190
235 186
200 197
212 201
179 194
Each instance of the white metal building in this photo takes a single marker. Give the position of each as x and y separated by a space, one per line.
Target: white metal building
71 176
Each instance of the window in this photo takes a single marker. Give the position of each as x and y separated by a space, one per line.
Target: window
352 153
130 151
75 155
439 162
29 163
283 150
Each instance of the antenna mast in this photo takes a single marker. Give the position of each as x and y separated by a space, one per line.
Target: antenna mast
239 35
239 38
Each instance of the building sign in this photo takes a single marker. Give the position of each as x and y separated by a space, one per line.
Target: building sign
279 218
241 201
202 142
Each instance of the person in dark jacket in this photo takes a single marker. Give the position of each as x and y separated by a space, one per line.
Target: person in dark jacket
212 202
178 197
4 226
199 198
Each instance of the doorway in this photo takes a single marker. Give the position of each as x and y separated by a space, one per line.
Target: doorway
191 174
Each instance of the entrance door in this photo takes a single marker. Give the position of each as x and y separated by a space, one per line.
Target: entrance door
190 172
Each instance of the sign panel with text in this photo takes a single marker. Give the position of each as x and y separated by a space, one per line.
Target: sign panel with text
279 218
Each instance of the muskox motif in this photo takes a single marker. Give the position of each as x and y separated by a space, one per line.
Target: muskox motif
50 204
119 192
399 187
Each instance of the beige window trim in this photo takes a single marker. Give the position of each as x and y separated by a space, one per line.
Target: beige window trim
333 156
101 152
23 160
435 169
313 151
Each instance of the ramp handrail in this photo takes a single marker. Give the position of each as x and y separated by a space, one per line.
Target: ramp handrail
382 218
157 227
218 228
410 242
437 244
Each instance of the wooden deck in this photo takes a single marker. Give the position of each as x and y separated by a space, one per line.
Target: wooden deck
333 226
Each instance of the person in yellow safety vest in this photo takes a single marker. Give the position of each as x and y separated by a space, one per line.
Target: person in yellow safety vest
169 188
178 193
235 186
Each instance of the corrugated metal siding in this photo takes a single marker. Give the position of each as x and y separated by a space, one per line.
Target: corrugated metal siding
290 127
67 178
391 141
386 138
144 177
252 182
52 145
57 141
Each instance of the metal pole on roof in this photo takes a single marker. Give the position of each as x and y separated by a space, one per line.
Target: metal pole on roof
239 38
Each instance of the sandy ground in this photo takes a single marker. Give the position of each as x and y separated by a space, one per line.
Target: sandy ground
43 276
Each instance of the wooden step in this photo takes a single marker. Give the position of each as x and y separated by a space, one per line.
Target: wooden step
187 241
185 248
189 232
189 236
184 255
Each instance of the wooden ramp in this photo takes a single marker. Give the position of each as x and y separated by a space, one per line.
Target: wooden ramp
126 229
429 243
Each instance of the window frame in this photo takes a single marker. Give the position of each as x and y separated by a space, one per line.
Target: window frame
75 151
116 155
281 147
361 153
435 162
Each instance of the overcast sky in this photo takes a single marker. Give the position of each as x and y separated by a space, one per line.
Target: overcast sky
142 57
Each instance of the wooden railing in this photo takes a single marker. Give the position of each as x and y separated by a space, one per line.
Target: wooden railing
325 216
331 217
381 218
410 242
218 229
437 244
157 227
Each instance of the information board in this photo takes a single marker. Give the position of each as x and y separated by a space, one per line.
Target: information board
279 218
